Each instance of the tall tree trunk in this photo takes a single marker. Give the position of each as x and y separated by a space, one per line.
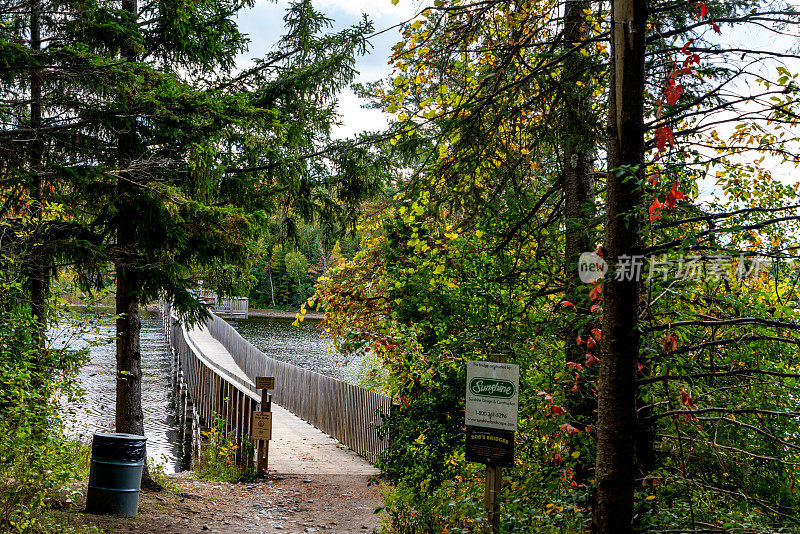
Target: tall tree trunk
129 413
271 287
38 272
616 429
578 145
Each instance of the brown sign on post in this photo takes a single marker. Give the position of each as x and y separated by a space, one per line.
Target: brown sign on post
490 446
265 382
262 426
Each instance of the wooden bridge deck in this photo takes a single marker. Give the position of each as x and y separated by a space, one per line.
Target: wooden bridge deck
297 448
216 352
215 369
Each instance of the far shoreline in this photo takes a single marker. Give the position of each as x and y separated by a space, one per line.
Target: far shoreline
154 307
284 314
253 312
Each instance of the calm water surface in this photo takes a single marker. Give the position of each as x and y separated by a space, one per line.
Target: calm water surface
95 413
303 346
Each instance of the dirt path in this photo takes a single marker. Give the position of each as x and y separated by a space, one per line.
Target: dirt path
292 504
315 485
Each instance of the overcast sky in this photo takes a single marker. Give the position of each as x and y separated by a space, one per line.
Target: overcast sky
264 25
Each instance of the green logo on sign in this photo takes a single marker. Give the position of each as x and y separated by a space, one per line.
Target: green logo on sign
492 387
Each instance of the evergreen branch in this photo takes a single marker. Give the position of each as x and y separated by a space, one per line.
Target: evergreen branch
731 449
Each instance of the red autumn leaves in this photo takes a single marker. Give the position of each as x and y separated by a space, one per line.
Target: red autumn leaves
690 57
704 13
663 134
555 409
657 206
670 342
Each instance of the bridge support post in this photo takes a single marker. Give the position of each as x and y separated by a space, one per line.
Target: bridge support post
176 364
183 397
187 426
199 440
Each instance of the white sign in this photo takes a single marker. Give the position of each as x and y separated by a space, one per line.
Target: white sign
492 395
262 426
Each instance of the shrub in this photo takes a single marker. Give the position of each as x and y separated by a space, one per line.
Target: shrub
36 460
218 457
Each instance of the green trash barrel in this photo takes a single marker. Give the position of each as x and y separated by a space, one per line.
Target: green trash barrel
115 474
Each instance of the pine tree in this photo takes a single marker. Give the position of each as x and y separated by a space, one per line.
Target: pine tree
212 236
164 156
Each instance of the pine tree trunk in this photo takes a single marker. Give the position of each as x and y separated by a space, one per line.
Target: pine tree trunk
578 147
38 275
578 182
616 430
129 413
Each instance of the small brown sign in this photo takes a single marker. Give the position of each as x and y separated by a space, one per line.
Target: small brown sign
265 382
262 426
490 446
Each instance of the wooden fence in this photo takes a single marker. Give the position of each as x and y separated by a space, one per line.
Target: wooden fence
214 391
346 412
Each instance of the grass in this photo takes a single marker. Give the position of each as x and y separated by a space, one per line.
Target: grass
158 472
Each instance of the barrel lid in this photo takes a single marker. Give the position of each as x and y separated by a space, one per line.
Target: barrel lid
119 446
119 435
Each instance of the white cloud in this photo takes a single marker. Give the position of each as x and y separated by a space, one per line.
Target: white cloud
264 25
356 119
378 10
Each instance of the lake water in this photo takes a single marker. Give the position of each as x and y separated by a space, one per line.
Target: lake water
303 346
95 413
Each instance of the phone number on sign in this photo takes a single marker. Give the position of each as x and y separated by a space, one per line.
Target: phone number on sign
498 415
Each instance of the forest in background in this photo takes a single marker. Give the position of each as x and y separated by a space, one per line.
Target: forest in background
661 398
285 271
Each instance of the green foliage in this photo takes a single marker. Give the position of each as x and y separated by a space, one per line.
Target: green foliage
429 429
218 455
467 262
285 269
36 460
158 472
455 506
296 265
165 142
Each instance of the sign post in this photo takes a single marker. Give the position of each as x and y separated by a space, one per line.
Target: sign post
491 418
262 423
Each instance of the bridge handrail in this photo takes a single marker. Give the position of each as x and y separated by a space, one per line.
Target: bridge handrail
217 394
346 412
246 387
233 307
